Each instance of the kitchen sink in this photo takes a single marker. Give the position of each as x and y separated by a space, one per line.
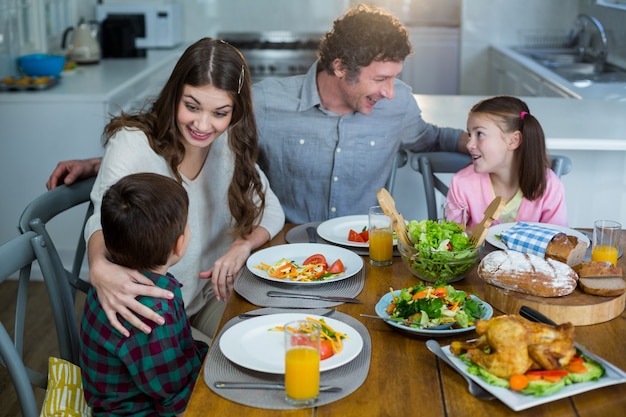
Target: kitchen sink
567 63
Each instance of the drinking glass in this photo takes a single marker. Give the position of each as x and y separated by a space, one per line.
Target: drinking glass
302 362
605 246
380 237
456 212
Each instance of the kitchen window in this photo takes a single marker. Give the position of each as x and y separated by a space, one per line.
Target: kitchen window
28 26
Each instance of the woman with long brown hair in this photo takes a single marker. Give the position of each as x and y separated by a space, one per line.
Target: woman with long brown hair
200 131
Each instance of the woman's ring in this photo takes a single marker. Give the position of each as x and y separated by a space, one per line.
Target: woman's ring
229 275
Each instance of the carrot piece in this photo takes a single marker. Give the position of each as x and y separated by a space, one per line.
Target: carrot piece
518 382
577 367
419 295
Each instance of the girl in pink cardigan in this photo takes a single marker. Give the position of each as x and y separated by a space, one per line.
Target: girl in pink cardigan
509 159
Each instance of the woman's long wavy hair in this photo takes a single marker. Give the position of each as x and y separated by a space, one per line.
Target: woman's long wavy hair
217 63
361 36
531 157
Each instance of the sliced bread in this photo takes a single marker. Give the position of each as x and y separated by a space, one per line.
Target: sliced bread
604 286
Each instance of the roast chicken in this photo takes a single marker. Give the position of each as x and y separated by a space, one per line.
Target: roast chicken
511 345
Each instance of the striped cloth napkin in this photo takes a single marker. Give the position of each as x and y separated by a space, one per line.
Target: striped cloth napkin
528 238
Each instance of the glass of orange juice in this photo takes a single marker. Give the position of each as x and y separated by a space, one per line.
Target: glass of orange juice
302 362
605 245
380 237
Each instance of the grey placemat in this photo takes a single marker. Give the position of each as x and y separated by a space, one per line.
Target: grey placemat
299 234
349 376
254 289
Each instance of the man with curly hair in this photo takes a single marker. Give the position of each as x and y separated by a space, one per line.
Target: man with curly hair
328 138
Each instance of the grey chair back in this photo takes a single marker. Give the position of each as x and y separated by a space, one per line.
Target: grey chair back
399 161
430 164
50 204
16 258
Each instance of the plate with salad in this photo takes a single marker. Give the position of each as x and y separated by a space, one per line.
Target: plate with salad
304 263
439 310
600 374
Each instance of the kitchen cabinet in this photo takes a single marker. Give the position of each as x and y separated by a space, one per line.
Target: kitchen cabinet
508 77
41 128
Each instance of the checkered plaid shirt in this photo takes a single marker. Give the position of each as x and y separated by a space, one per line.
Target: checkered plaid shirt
144 374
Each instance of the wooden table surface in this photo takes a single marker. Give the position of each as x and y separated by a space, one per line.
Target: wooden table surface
407 379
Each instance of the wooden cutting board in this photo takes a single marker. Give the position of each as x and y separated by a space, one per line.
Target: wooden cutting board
578 308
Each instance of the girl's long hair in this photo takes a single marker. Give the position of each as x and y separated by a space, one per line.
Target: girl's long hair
531 157
217 63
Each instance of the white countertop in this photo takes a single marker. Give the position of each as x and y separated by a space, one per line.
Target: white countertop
101 81
584 90
569 124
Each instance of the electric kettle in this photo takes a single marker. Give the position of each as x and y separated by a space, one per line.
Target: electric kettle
82 43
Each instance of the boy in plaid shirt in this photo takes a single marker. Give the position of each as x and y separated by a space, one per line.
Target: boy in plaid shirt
144 222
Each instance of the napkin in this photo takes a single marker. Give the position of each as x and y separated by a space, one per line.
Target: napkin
528 238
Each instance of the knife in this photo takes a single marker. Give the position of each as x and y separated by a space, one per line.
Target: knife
533 315
267 385
312 297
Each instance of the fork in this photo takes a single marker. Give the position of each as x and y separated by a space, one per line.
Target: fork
479 233
474 389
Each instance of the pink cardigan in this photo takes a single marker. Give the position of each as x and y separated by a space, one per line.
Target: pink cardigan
475 190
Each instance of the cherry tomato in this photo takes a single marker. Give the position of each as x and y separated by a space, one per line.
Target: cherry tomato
354 236
326 350
318 258
336 267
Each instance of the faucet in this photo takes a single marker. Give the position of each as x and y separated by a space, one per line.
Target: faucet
599 59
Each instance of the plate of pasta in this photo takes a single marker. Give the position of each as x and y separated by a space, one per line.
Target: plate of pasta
259 343
304 263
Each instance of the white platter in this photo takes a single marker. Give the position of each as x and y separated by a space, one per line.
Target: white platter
381 311
298 252
336 230
518 402
253 345
497 230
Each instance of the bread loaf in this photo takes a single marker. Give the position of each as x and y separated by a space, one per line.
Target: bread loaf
567 249
605 286
527 273
597 269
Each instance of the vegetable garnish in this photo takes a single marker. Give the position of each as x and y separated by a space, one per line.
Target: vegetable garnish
315 268
541 382
329 337
362 236
425 306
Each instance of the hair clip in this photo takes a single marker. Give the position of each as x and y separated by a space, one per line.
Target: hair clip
241 76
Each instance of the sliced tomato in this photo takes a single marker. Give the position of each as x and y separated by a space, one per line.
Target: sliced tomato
365 235
549 373
337 267
326 350
318 258
354 236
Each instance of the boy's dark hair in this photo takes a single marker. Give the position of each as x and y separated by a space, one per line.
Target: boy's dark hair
361 36
142 216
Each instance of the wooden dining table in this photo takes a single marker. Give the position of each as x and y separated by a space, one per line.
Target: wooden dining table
406 379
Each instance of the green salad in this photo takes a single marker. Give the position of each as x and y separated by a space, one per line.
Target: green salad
444 251
424 306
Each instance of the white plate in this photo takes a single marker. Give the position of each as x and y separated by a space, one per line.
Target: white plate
252 345
336 230
298 252
518 402
496 230
381 310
